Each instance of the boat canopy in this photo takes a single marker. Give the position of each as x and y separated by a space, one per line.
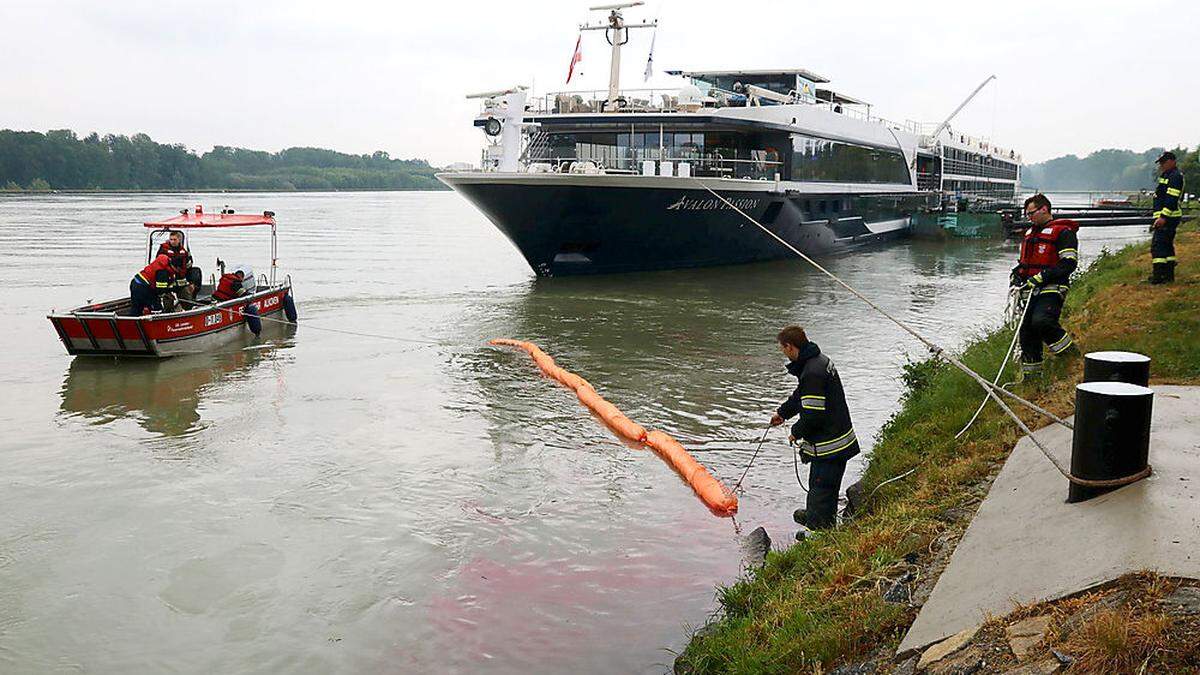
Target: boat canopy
225 218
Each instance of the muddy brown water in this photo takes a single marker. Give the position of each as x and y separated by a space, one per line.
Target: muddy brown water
311 501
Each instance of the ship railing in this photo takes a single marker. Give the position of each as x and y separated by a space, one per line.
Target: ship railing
963 168
704 167
657 99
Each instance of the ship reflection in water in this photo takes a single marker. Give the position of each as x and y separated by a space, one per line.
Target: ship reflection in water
162 395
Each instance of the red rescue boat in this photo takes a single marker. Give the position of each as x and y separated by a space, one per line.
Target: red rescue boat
197 325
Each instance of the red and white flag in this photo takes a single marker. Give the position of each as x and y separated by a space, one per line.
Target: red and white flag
575 58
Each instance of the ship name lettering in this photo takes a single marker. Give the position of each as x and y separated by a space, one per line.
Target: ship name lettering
687 203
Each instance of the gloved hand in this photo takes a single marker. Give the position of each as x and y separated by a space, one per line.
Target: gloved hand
1033 281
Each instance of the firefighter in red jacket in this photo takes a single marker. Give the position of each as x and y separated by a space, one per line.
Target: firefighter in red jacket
1049 254
146 287
187 281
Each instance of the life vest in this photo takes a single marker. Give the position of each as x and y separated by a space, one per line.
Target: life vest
180 259
1039 250
158 274
228 287
179 255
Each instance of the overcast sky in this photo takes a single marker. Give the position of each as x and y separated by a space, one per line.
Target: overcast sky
363 76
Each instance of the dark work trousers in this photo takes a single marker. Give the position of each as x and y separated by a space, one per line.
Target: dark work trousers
1162 242
1041 327
824 485
142 297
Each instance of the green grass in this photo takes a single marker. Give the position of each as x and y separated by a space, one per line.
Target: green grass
819 602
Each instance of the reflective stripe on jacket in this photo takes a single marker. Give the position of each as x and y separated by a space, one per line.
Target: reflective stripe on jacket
158 274
819 401
1167 194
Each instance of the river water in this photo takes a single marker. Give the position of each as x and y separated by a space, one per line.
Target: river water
312 501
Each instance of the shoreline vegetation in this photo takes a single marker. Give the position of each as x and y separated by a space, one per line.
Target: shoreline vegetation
846 597
61 161
1108 170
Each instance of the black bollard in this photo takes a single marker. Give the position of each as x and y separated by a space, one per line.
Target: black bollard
1117 367
1112 434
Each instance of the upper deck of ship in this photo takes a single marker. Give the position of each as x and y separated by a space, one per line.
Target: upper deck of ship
796 95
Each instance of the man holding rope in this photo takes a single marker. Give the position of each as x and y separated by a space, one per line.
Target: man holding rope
1049 254
823 428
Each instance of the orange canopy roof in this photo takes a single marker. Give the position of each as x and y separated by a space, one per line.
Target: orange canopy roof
193 219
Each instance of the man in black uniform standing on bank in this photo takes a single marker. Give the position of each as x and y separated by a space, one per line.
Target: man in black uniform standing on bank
1167 215
823 426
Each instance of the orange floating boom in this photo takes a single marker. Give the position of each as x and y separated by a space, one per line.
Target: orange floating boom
711 491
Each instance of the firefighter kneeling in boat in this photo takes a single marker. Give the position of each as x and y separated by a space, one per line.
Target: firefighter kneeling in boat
823 428
1049 254
148 286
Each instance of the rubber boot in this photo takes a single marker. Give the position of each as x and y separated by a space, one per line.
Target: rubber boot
801 517
1170 271
1158 274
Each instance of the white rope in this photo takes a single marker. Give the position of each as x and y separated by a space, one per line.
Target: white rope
1003 362
991 389
309 326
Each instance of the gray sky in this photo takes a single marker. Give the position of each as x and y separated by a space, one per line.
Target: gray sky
361 76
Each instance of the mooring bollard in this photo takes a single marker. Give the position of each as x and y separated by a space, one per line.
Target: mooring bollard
1112 434
1117 367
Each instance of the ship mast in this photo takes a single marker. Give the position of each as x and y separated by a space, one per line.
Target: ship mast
616 31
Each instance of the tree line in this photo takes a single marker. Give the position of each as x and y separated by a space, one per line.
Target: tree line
61 160
1115 170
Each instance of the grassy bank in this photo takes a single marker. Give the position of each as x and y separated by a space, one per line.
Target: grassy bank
821 602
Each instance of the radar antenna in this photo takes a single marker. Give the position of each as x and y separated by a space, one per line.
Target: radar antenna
616 32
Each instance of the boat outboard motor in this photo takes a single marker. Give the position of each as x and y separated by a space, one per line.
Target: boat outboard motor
248 283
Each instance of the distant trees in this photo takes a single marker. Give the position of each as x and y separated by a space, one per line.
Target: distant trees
61 160
1106 170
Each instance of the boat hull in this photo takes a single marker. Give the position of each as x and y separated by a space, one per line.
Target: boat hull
88 331
566 225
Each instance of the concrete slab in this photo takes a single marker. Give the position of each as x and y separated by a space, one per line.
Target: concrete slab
1027 545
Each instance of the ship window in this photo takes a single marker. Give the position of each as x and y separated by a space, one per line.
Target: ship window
823 206
837 205
820 160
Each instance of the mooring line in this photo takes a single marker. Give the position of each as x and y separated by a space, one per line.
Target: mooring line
1003 364
936 350
309 326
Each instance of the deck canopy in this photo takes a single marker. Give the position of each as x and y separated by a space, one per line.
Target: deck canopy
749 76
225 218
832 96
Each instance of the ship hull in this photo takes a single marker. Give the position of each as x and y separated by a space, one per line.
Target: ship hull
569 225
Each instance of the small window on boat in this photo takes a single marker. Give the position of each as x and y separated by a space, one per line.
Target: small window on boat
837 204
823 206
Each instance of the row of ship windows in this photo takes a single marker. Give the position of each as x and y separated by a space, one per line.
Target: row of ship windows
759 156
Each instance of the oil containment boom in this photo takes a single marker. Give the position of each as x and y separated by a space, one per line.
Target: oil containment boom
719 499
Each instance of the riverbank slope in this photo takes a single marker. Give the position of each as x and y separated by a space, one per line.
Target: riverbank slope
849 595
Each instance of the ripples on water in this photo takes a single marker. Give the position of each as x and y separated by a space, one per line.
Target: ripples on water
312 501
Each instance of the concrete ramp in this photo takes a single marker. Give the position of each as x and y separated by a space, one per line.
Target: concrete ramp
1027 545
